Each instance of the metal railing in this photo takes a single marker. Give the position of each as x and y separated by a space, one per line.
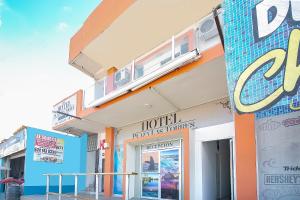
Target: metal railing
156 59
76 175
178 46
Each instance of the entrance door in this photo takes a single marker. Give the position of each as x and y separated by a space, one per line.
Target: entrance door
217 167
161 170
214 167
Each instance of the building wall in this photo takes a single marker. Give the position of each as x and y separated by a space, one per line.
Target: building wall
74 162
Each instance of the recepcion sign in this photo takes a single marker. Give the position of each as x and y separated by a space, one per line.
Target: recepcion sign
48 149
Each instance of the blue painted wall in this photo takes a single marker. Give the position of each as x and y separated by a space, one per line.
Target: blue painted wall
74 162
1 176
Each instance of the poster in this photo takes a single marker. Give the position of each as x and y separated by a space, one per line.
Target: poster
169 170
150 185
48 149
118 168
278 153
150 161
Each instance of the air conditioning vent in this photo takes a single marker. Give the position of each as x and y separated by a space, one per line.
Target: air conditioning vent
122 77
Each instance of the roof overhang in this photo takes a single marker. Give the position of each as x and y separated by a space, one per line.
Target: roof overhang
194 84
120 31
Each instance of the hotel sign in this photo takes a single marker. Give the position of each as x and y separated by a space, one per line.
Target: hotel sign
163 124
262 47
68 106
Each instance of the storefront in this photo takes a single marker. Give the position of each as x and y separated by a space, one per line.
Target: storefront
208 112
174 154
31 152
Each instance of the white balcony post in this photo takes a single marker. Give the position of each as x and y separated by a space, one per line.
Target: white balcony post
97 186
76 186
60 185
132 71
173 47
104 88
127 187
47 185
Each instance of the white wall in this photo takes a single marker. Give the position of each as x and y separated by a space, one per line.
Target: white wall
199 137
90 168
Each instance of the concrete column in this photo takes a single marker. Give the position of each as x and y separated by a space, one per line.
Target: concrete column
109 161
246 184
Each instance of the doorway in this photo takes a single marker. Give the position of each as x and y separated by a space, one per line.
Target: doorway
213 163
17 167
216 165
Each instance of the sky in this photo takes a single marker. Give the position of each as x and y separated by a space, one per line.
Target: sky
34 69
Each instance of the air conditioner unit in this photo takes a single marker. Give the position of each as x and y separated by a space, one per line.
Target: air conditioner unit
122 77
207 32
207 28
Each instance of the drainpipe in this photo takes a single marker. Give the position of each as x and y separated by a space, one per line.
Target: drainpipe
218 23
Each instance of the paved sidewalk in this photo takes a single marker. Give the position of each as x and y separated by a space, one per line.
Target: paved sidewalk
70 197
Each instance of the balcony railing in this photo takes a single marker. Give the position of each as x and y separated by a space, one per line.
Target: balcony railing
176 52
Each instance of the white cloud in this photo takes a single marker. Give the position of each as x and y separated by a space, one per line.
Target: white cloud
62 27
67 8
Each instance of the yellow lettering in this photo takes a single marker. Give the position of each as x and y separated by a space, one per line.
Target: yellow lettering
292 72
292 107
279 56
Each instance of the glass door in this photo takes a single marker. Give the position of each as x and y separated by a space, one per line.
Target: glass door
160 171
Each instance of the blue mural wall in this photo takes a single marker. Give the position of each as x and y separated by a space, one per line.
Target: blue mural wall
118 168
262 36
262 39
74 161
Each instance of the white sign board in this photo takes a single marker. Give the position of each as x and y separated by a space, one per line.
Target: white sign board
48 149
67 106
278 157
14 144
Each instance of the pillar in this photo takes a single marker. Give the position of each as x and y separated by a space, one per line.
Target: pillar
109 161
246 185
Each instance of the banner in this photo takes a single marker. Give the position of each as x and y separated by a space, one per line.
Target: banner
14 144
48 149
261 50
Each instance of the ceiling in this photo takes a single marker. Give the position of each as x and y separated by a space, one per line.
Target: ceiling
143 26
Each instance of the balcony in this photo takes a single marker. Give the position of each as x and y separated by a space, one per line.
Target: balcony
179 50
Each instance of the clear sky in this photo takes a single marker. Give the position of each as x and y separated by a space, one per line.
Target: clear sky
34 69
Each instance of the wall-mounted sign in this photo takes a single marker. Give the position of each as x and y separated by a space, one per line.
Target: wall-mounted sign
278 152
262 40
48 149
163 124
14 144
161 145
67 106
